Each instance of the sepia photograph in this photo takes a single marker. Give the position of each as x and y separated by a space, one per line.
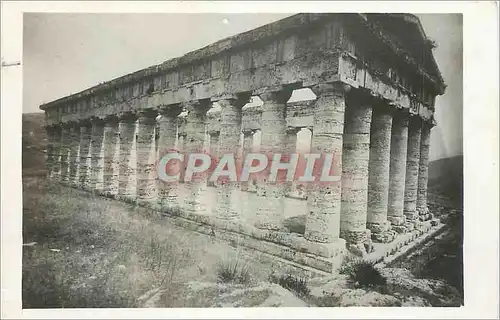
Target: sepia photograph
242 159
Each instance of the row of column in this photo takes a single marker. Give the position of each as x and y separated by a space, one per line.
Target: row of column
381 153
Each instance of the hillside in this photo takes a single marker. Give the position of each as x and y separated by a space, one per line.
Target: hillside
34 143
446 179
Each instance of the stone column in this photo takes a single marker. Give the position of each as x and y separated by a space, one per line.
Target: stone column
97 152
412 164
291 139
290 147
65 152
397 171
230 129
181 142
74 155
146 157
127 168
194 143
49 130
270 215
423 172
257 186
355 159
214 143
84 166
111 157
247 148
56 162
324 200
182 149
167 191
378 174
214 150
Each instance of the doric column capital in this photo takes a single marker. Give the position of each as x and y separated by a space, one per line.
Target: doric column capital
198 106
279 97
69 125
214 132
84 123
293 130
96 121
128 116
248 132
112 118
171 110
147 114
330 89
238 100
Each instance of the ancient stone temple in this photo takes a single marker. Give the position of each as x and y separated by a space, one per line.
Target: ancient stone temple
374 79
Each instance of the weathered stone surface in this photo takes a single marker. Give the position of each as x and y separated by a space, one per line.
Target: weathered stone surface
214 148
111 157
324 200
167 191
423 170
217 295
229 143
385 236
65 152
412 169
363 298
355 157
194 143
399 143
214 143
290 147
84 165
270 212
378 172
74 154
247 148
127 170
58 143
146 157
97 151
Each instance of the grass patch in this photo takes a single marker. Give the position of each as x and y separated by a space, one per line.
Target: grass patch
363 274
295 284
106 256
232 272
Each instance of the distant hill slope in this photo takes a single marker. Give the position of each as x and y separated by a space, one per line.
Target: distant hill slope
34 143
446 178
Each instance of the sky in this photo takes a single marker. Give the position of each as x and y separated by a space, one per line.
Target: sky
65 53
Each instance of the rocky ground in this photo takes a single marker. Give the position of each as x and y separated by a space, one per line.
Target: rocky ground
86 251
